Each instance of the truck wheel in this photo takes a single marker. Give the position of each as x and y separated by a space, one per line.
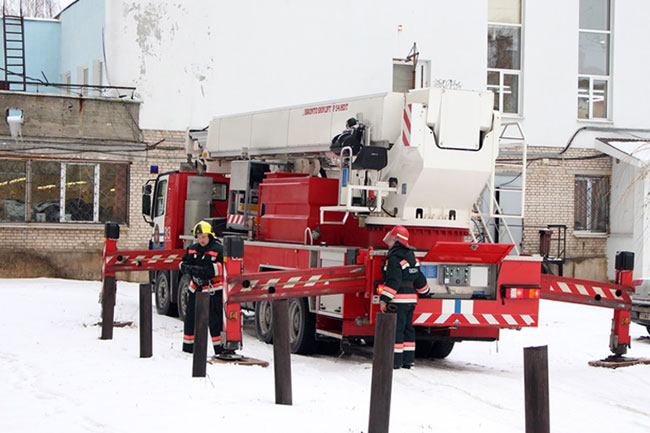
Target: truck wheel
263 321
163 293
423 348
183 295
302 326
442 349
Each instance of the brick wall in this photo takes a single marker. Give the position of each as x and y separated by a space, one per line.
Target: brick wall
550 190
74 250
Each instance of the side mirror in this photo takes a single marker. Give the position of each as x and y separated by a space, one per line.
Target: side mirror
146 205
146 202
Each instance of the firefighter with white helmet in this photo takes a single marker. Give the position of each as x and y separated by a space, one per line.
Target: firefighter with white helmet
403 282
203 262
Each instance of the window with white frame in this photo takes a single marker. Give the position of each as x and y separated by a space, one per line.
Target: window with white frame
65 79
594 59
504 54
41 190
591 203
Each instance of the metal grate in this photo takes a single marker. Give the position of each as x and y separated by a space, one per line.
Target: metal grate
591 203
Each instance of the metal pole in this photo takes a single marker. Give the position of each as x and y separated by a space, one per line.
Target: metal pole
108 307
201 334
282 352
536 389
382 373
146 344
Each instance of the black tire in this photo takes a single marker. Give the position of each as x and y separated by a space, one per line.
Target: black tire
162 291
264 321
648 328
183 294
302 326
442 349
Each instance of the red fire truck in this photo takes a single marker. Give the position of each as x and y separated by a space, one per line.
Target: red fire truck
303 208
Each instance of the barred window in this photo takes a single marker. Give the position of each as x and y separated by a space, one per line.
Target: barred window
57 191
591 204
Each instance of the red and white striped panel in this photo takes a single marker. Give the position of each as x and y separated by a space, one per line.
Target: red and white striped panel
592 291
143 258
235 219
500 320
406 125
287 283
461 312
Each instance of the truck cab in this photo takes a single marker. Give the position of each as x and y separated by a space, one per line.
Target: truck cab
640 313
172 204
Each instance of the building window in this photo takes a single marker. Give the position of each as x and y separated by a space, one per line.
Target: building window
594 59
65 79
591 204
405 77
13 181
54 191
504 54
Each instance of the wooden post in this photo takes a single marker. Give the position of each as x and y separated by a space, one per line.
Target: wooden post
382 373
202 312
108 307
536 389
146 344
282 352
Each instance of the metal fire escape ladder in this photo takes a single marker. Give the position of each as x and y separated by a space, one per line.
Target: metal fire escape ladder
511 160
14 49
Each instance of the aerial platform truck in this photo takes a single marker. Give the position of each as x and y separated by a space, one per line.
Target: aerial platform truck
303 209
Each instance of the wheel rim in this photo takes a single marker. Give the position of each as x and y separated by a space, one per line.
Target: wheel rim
265 317
182 299
162 292
295 320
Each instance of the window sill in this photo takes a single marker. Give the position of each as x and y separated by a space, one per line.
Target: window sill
58 226
590 235
510 116
596 121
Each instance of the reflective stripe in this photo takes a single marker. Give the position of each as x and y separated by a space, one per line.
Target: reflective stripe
399 347
215 339
423 290
218 269
417 262
212 253
407 296
191 251
404 264
409 347
392 292
188 339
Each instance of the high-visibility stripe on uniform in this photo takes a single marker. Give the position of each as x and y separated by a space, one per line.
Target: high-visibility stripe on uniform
188 339
218 269
417 263
212 253
216 339
409 346
407 298
404 264
423 290
399 347
387 290
192 251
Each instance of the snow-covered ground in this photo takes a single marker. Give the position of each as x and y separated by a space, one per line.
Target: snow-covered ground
57 376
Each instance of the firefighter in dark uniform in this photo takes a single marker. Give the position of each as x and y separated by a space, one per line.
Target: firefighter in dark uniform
403 282
203 262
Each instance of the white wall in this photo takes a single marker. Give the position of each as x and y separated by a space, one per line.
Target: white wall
81 38
190 63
